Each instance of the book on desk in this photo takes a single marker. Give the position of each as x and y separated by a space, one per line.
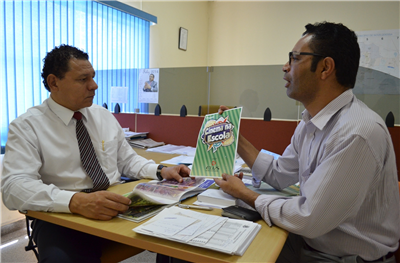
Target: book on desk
150 198
218 198
215 198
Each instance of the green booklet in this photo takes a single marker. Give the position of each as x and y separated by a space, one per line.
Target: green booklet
217 144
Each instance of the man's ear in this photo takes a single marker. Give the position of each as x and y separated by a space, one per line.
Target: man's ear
328 67
52 82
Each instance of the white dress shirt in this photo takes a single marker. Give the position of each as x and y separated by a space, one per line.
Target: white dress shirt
344 160
42 167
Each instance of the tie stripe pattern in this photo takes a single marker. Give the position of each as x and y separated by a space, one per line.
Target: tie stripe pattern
88 157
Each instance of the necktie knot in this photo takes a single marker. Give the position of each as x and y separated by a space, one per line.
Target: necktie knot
77 115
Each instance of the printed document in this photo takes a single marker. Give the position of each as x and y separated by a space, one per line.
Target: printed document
217 144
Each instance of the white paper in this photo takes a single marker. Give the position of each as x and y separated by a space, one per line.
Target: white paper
175 149
119 94
181 159
208 204
222 234
169 225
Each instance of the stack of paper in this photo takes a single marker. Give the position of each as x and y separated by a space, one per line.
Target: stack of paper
133 135
231 236
175 149
145 143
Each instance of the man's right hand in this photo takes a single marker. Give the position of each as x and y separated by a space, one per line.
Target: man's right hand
222 108
102 205
245 149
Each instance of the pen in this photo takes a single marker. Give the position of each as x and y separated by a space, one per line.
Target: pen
196 207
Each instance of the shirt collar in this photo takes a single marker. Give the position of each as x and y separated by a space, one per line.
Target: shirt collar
63 113
324 115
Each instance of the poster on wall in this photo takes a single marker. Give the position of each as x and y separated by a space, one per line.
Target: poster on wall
379 71
148 85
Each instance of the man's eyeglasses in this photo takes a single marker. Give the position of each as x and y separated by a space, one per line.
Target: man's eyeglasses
296 53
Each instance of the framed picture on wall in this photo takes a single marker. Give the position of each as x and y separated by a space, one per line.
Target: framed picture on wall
183 38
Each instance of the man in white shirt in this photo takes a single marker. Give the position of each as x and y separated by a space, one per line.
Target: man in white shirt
42 164
342 155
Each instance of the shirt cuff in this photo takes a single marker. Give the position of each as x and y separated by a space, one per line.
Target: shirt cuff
62 200
152 171
259 170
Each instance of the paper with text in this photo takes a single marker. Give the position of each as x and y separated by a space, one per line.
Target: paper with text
217 144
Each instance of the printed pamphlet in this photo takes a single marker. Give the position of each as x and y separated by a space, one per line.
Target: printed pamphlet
217 144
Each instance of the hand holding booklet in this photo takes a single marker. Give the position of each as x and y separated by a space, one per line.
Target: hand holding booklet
151 197
217 144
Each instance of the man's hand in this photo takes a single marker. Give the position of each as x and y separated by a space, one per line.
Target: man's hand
222 108
147 86
234 186
175 172
100 205
245 149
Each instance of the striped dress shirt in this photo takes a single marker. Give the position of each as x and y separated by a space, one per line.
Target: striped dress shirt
344 160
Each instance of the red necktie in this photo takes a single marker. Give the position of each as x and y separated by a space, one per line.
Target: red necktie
88 157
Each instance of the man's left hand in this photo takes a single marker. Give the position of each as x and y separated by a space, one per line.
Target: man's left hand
175 172
234 186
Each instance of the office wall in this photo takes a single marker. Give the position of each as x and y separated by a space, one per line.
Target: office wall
182 86
247 38
247 44
263 32
171 15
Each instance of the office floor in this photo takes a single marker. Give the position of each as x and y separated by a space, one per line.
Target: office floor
15 235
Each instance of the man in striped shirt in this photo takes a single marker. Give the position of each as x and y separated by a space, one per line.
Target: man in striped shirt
342 155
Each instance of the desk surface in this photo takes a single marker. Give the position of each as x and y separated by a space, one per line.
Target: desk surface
264 248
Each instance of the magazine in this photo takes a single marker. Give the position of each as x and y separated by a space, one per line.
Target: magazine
217 144
150 198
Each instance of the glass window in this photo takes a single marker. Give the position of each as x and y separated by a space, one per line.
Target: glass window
117 43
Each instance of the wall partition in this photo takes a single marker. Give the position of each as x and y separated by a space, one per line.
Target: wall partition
257 88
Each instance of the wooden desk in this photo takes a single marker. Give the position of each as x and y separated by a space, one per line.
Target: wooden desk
264 248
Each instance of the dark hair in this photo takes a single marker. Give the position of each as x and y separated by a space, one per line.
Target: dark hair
56 61
340 43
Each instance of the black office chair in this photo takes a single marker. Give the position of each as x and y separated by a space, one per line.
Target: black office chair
389 119
117 109
267 115
183 111
31 244
157 110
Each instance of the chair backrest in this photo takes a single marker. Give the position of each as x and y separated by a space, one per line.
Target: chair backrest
1 163
397 252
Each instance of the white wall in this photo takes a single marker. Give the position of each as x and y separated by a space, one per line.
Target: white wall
229 33
192 15
263 32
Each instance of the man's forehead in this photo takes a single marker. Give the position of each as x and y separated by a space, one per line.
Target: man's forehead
303 44
80 65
